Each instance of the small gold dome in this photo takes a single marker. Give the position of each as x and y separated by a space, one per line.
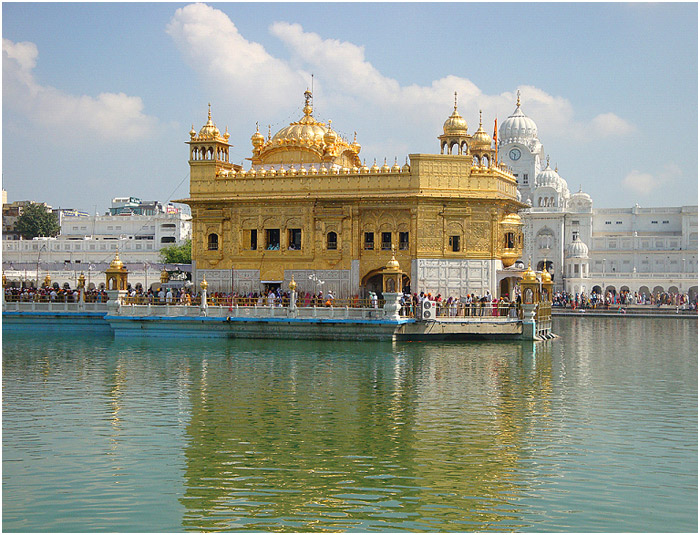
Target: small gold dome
257 138
355 145
193 133
324 170
455 123
330 137
396 168
512 219
81 280
385 167
480 139
47 280
393 264
313 170
116 262
546 277
406 168
164 276
204 284
292 284
375 167
209 130
529 275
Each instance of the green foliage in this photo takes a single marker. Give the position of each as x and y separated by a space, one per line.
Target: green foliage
177 254
36 220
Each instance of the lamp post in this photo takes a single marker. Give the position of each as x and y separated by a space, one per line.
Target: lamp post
604 281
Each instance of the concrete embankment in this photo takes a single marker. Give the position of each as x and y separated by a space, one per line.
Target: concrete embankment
634 311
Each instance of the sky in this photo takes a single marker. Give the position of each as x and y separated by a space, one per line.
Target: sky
98 98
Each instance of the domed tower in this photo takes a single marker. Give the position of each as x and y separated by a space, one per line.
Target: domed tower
551 190
209 147
576 262
305 142
454 139
480 146
520 148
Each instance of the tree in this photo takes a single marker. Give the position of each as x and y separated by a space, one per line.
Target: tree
36 220
177 254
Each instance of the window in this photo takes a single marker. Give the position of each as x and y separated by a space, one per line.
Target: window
294 239
369 241
618 222
332 241
576 269
517 181
386 241
403 241
167 239
608 222
253 239
525 179
454 243
213 242
664 222
575 222
654 222
166 226
509 240
75 228
272 236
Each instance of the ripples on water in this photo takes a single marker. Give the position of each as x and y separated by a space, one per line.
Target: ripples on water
596 431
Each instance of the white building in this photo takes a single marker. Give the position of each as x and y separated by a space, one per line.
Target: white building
95 239
647 250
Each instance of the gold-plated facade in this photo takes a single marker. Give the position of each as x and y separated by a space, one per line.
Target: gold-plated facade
308 204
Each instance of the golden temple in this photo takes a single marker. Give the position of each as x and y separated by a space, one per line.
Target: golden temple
309 209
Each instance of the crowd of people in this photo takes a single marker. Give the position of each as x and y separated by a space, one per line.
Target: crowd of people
451 306
625 298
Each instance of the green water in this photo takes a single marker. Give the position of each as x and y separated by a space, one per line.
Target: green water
596 431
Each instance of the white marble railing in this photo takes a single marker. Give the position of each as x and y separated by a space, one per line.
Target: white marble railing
52 306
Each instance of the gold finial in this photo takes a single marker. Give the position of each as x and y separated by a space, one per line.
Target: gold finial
479 118
204 284
269 132
354 139
556 168
455 100
329 123
517 104
292 284
257 127
81 280
548 160
209 114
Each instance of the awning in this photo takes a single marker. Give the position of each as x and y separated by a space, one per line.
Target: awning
272 282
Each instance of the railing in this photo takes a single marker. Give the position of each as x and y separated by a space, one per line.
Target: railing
37 298
53 306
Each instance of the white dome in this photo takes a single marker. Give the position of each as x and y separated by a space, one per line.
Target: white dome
550 178
518 127
581 197
577 249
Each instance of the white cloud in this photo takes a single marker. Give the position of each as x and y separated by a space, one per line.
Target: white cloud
646 183
609 124
212 45
109 116
349 86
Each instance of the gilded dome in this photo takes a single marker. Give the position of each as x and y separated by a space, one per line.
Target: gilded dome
529 275
455 123
257 139
116 263
518 127
306 129
393 264
512 219
209 130
330 137
546 277
480 139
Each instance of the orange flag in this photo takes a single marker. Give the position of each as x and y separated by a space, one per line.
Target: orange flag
495 135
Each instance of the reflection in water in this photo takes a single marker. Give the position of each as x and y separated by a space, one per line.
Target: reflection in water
421 439
596 431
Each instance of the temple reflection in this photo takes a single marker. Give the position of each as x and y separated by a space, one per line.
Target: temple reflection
431 435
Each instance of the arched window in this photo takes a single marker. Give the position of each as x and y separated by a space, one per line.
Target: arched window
213 242
476 160
332 241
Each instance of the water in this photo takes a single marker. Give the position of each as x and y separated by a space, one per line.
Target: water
596 431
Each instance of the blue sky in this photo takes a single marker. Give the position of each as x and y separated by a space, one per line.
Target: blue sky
98 98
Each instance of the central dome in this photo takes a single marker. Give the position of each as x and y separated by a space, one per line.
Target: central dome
307 128
518 127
